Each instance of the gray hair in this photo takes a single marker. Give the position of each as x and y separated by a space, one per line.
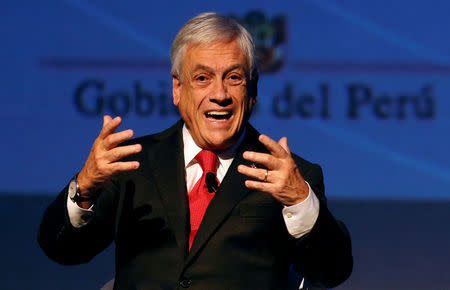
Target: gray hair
210 27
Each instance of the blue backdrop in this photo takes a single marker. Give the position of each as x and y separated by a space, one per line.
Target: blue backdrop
360 87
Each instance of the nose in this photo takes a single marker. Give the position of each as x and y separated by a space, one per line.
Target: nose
220 94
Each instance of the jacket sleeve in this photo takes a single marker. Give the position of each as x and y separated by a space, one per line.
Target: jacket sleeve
68 245
324 255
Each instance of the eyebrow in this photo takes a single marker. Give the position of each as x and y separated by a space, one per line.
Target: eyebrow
207 68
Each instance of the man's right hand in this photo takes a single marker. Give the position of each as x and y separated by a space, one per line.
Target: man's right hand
103 160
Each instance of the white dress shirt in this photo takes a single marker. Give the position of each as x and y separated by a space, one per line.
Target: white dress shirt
299 218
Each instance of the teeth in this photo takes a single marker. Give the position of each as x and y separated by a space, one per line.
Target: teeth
218 113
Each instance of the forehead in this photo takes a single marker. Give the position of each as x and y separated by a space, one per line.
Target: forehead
217 55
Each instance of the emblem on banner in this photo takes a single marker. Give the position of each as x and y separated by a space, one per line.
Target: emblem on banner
270 37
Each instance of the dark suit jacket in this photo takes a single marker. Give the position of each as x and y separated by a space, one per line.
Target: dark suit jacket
242 242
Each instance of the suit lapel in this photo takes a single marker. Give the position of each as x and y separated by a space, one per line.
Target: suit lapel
166 160
232 190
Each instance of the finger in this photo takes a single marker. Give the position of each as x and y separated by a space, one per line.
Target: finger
122 152
272 146
110 126
260 186
115 139
124 166
283 143
255 173
106 119
264 159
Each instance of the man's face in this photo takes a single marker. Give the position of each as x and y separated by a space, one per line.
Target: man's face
212 97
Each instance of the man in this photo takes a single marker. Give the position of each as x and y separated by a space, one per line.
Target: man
209 203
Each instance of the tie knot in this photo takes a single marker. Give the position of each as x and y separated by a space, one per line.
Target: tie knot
207 160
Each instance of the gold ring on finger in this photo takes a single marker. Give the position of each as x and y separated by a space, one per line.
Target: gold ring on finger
265 175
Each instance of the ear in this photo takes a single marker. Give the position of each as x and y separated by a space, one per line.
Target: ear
176 90
252 88
253 100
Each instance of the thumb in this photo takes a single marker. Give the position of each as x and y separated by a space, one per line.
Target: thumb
284 144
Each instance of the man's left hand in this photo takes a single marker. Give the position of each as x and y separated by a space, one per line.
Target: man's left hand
282 178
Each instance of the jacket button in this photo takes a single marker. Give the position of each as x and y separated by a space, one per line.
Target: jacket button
185 283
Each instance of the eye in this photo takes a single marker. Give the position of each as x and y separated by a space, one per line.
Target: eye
235 79
201 78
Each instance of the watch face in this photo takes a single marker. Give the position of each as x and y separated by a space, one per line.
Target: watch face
72 189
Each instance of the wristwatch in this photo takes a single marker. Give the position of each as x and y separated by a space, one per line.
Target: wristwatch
74 192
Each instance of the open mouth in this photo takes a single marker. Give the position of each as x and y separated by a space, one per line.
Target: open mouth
218 115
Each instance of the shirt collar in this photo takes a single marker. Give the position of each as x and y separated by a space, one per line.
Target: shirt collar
191 149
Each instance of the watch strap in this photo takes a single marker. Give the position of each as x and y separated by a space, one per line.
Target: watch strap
76 196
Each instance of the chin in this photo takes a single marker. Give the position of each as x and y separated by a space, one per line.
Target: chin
220 143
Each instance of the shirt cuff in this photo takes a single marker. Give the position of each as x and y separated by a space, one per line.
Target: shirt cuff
78 216
301 217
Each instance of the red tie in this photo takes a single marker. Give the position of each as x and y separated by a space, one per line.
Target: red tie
199 197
